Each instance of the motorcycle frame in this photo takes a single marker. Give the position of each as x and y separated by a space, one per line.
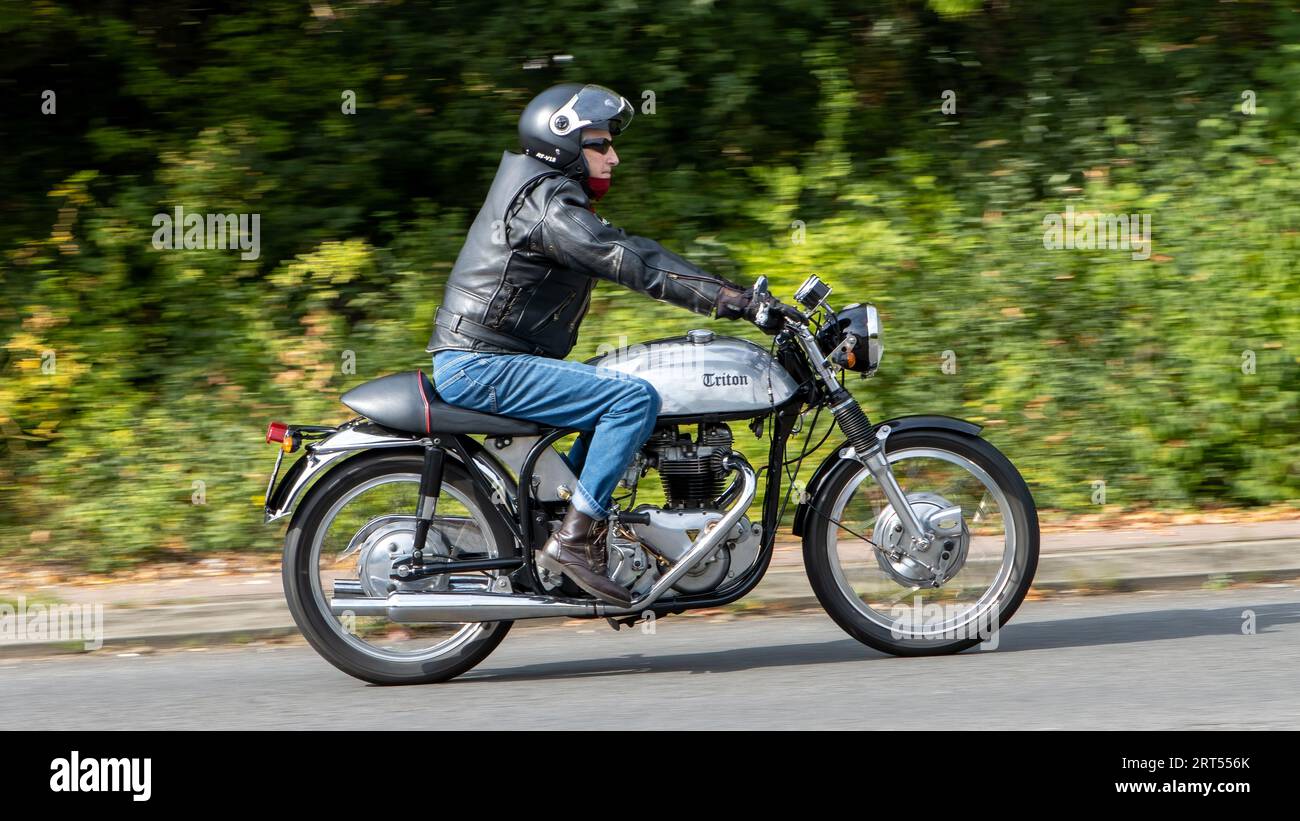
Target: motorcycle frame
527 525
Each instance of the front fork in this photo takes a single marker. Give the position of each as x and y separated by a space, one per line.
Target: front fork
869 449
878 466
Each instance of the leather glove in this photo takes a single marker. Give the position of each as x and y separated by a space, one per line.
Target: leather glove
733 304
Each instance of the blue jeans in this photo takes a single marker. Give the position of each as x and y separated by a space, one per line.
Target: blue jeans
615 411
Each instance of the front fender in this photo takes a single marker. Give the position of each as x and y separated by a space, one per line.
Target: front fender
896 424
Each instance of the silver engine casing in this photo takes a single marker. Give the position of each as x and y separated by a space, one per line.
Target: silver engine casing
669 535
632 550
701 373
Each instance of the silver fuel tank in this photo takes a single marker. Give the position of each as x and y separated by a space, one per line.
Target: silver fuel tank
702 373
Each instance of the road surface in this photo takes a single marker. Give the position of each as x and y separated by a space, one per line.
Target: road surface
1135 661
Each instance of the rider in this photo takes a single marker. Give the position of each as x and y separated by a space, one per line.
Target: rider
520 288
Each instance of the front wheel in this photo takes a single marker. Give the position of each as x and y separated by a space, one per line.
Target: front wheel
969 583
356 522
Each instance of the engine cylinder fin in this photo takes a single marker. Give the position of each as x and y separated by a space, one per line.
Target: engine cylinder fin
692 472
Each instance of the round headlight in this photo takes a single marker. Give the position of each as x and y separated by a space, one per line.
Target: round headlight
852 338
875 348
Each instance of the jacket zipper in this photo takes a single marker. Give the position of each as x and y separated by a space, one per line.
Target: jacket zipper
563 305
693 276
552 315
581 313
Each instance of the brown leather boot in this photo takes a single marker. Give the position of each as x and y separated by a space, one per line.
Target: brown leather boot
577 550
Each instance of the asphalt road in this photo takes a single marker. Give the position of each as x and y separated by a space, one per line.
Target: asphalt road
1136 661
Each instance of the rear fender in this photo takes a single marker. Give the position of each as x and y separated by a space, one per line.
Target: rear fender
336 450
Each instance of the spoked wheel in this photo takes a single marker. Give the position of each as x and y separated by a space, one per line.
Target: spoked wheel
346 538
967 584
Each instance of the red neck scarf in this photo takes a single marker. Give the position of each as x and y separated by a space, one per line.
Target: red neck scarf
597 187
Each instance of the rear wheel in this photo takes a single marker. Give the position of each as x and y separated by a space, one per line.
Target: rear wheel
985 565
355 523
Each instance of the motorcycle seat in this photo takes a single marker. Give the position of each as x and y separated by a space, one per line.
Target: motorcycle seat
407 402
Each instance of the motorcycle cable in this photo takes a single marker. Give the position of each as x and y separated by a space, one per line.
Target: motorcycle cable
816 447
785 503
790 486
811 428
838 523
784 465
809 501
818 320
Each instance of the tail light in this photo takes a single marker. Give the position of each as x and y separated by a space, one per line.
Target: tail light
276 432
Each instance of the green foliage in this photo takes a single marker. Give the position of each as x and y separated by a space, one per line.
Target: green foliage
786 138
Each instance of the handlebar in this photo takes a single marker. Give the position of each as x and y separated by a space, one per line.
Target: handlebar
788 311
791 312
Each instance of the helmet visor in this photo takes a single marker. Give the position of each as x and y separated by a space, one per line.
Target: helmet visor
593 107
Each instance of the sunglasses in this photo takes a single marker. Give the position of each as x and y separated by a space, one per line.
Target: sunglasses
600 146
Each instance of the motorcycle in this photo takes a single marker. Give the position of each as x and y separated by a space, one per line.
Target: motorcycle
415 526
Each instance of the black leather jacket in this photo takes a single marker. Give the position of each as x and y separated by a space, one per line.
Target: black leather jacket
523 280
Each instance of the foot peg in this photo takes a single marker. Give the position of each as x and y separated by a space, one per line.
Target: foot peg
577 550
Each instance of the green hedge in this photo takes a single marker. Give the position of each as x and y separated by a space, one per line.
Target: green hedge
789 139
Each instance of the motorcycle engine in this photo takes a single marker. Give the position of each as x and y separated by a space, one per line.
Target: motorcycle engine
693 482
691 472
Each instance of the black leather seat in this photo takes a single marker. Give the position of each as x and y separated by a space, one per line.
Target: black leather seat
407 402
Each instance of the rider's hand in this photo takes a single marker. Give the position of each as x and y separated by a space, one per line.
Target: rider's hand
779 308
733 304
765 312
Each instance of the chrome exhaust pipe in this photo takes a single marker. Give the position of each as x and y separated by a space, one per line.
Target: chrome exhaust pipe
704 543
348 589
418 608
459 607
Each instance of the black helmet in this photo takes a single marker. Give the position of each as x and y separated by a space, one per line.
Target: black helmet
550 128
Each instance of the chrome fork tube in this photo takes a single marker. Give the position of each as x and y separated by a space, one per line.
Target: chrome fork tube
813 354
878 465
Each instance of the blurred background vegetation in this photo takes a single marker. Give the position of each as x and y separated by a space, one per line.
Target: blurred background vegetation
812 120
